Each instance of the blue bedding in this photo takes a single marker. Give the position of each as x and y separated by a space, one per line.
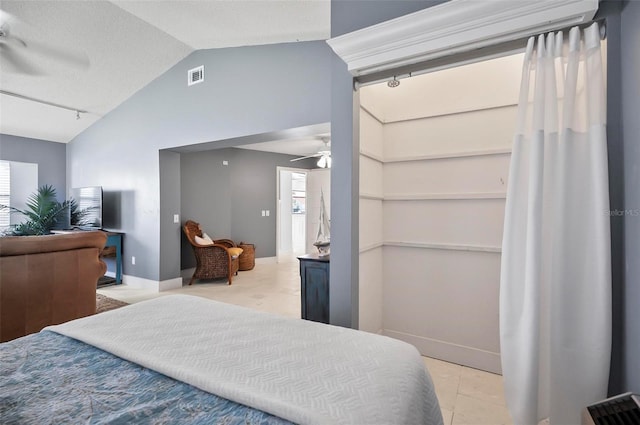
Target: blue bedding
47 378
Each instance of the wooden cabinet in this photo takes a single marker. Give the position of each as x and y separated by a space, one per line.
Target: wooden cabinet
314 280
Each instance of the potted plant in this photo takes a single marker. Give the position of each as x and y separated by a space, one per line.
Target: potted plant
43 213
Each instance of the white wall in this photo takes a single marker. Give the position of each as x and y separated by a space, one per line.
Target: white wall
435 156
24 183
285 247
371 224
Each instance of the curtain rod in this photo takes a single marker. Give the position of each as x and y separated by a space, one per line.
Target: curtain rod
460 59
44 102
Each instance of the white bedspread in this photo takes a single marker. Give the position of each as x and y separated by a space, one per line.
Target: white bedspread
302 371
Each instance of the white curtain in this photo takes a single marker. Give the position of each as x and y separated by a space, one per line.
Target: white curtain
555 289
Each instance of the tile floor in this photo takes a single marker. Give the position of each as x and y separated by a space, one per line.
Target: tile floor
467 396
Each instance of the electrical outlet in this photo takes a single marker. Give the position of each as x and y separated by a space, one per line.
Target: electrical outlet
225 162
176 218
133 260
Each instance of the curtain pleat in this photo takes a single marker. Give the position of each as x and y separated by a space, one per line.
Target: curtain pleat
555 291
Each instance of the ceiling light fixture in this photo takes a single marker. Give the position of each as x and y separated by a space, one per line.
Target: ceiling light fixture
324 161
393 83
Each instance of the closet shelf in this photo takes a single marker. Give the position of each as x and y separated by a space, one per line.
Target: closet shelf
372 155
371 196
445 246
445 196
370 247
448 155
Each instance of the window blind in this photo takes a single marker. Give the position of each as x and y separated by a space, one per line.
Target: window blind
5 193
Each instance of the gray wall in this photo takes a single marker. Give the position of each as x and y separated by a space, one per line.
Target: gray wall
169 206
623 128
630 43
50 157
247 90
347 16
227 200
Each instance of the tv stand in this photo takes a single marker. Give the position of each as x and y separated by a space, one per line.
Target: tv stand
113 239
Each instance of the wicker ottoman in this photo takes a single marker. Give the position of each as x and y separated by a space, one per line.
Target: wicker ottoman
248 257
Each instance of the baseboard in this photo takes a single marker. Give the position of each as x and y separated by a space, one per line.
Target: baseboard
453 353
153 285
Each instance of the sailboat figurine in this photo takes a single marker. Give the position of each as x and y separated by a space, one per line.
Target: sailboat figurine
324 237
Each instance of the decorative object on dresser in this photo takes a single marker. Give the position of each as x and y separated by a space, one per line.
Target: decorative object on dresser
324 231
314 291
213 260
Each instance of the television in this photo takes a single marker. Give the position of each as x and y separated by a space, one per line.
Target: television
87 211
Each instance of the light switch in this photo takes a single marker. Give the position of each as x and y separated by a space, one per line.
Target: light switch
225 162
267 213
176 218
264 213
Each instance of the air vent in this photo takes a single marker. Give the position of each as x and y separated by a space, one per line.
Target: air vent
620 410
195 75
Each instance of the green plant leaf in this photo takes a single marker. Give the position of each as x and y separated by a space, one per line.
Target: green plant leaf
43 212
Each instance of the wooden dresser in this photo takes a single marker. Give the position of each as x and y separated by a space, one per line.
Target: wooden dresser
314 280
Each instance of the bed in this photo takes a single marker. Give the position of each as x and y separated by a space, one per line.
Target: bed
184 359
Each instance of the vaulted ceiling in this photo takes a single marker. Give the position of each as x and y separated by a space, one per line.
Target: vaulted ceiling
92 55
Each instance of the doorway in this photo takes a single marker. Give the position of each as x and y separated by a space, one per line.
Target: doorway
291 213
433 178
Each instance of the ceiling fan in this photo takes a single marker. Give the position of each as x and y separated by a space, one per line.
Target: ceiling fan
324 154
17 53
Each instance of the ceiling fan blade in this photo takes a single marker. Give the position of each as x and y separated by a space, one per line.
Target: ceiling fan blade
69 57
7 18
12 62
315 155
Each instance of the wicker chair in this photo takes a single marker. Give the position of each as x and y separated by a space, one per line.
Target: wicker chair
212 261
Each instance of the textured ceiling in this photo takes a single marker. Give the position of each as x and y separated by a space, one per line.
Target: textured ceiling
300 147
127 44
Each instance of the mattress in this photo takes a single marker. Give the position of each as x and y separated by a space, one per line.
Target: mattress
49 378
296 370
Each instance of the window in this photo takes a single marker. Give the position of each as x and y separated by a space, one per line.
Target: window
5 190
18 181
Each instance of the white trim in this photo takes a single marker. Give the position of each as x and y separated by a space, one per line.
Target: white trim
445 246
371 196
446 196
449 114
450 352
280 169
371 114
152 285
371 247
372 156
453 27
448 155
